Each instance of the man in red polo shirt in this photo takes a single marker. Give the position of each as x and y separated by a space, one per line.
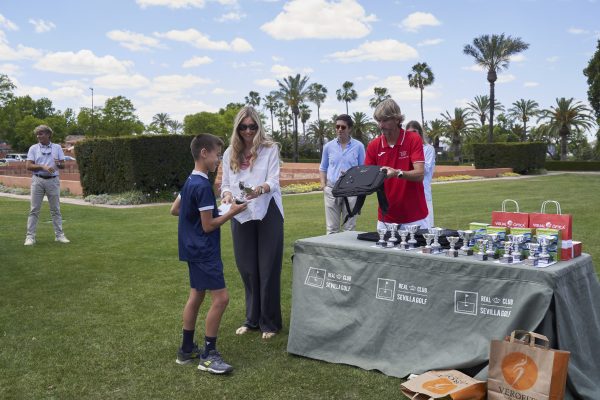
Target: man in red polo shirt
401 154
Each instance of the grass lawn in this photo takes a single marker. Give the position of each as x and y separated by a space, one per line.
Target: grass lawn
100 318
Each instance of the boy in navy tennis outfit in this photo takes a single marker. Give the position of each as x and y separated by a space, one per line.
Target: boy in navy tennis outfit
200 245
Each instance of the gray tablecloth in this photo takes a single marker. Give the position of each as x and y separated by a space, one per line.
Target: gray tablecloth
407 312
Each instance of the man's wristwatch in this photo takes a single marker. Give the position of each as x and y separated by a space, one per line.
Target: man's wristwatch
400 173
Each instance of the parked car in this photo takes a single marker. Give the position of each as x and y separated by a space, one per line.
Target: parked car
16 157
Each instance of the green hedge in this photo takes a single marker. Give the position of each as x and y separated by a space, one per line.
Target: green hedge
150 164
573 165
521 157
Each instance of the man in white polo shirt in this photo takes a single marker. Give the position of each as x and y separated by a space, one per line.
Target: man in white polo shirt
44 159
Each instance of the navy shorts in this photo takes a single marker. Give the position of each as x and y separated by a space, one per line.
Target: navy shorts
206 275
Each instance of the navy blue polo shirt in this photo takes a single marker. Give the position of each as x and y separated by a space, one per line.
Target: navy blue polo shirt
195 244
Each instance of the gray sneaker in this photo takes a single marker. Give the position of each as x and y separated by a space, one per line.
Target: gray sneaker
62 239
186 358
29 241
214 363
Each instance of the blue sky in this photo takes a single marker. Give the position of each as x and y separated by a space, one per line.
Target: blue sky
187 56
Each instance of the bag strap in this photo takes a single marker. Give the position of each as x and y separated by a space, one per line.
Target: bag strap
360 200
509 200
530 338
556 203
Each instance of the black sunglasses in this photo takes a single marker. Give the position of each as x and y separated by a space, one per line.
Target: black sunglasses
341 127
243 127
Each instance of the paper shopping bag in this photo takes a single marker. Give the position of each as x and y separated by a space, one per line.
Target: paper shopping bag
510 219
521 369
559 220
450 384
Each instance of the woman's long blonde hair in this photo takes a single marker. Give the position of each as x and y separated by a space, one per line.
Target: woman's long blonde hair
237 143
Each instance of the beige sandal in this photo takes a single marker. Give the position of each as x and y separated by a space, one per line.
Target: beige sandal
268 335
242 330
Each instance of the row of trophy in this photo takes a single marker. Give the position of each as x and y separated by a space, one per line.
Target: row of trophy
486 245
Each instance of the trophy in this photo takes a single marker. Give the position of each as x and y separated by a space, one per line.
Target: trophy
246 189
403 245
428 238
452 252
517 240
466 238
381 242
412 229
481 255
492 238
393 240
532 260
436 248
507 257
545 241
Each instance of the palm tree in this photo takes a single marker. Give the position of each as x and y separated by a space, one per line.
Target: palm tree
362 127
253 99
304 116
293 92
271 105
346 93
161 120
457 125
380 95
317 94
422 77
176 127
493 53
320 130
567 117
524 110
481 108
435 131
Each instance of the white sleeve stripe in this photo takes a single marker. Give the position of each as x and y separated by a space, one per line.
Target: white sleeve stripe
206 208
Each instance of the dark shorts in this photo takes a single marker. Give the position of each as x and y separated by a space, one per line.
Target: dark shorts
206 275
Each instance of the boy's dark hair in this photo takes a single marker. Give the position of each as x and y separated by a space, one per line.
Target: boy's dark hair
346 118
204 141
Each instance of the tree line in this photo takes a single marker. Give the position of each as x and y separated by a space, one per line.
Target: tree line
562 125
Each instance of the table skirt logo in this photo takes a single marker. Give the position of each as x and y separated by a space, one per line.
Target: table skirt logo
519 371
315 277
465 302
439 386
386 289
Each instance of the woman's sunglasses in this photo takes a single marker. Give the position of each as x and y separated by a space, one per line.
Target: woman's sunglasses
243 127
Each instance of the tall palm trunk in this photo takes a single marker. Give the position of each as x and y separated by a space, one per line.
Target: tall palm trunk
346 107
491 77
422 115
524 130
564 133
295 137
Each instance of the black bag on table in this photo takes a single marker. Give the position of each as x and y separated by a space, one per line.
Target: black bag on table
361 181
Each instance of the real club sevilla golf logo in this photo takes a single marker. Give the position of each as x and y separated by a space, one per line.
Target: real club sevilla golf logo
519 371
439 386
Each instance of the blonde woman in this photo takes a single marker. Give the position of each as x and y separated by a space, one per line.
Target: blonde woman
253 159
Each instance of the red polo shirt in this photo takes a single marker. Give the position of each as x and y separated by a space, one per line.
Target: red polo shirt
406 198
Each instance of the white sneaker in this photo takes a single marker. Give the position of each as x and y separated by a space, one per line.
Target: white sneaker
29 241
62 239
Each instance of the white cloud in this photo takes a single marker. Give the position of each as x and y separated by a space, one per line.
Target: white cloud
202 41
505 78
73 92
255 65
430 42
416 20
8 53
121 81
531 84
220 91
41 26
173 84
474 67
172 3
576 31
267 83
552 59
283 71
83 62
8 24
231 16
277 58
133 41
320 19
366 78
10 69
197 61
517 58
400 90
383 50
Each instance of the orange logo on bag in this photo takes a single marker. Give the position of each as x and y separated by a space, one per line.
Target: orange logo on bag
519 371
439 386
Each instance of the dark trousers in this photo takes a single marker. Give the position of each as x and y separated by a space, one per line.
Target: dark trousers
258 249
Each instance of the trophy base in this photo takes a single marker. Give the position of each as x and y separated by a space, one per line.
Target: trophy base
517 259
391 244
468 252
383 245
426 250
545 260
452 253
532 262
506 259
481 257
404 246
